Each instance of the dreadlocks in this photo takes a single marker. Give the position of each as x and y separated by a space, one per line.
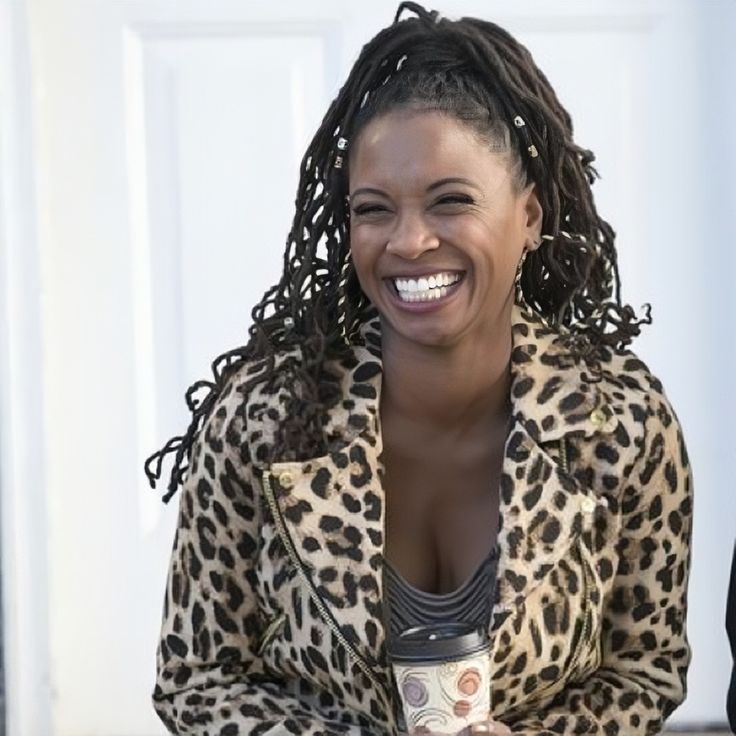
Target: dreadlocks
476 71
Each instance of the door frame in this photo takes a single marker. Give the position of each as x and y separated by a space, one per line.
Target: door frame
23 525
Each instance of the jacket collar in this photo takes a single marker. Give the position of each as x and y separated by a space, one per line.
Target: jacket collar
552 394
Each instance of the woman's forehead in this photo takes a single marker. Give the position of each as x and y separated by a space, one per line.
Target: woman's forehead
422 146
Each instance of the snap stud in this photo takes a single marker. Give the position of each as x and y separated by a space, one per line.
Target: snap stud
286 479
588 505
598 417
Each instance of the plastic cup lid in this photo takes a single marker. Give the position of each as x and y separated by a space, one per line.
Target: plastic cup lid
437 642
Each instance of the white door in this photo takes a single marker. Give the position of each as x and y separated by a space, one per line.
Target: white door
166 139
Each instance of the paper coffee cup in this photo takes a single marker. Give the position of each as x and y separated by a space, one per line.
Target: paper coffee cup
443 676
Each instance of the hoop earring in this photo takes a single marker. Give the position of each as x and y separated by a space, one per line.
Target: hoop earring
519 294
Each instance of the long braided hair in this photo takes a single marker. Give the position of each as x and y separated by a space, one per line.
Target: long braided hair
478 72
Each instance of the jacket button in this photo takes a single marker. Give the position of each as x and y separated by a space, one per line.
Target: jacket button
598 417
286 480
588 505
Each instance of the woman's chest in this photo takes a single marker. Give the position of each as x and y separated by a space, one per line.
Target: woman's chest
441 517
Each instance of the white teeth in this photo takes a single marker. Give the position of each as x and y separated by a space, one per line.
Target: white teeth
422 296
426 287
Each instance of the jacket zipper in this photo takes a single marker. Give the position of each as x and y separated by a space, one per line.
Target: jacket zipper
587 608
563 455
317 598
270 633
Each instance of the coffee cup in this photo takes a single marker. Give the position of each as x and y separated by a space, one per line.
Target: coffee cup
443 676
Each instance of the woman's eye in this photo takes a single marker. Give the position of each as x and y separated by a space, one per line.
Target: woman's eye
365 209
455 199
448 199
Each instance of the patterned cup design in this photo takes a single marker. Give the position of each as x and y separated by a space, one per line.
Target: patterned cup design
462 708
414 692
469 681
445 697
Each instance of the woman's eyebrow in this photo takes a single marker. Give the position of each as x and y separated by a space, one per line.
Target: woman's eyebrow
368 190
434 185
451 180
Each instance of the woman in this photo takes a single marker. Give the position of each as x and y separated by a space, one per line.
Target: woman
436 414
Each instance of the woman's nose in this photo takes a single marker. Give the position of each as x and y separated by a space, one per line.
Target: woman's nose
412 237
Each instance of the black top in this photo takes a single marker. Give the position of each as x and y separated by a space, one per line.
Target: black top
471 603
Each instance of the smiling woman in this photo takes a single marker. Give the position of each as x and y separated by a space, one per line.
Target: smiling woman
430 198
440 422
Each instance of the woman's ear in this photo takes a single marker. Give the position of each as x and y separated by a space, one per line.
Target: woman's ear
533 215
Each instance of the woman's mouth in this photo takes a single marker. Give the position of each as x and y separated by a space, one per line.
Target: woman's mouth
426 292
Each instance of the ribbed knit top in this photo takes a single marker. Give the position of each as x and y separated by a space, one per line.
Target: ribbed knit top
472 602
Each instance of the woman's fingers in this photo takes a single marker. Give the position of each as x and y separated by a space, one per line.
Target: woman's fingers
490 727
482 727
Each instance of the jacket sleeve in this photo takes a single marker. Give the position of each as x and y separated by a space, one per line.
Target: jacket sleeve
645 652
209 678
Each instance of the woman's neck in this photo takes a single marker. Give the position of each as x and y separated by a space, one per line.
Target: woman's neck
454 393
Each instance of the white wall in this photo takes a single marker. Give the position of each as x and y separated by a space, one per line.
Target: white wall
147 171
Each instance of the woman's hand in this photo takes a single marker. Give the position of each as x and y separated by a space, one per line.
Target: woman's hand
488 726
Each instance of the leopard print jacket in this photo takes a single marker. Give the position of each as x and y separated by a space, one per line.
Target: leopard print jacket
273 616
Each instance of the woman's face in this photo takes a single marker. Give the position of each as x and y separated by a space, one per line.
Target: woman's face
436 228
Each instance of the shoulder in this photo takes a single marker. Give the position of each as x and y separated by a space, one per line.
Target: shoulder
262 400
628 380
639 400
225 431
